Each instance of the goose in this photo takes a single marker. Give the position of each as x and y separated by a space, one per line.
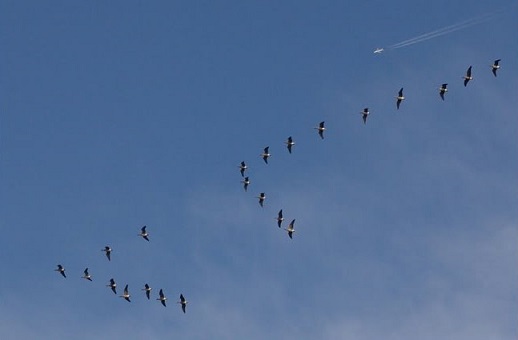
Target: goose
321 128
261 198
108 251
242 168
162 297
126 294
61 270
399 98
467 77
183 302
365 113
112 285
266 154
279 218
495 66
86 275
245 182
291 229
147 289
144 233
442 90
289 143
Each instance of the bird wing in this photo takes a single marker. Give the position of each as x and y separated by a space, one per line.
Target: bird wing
468 73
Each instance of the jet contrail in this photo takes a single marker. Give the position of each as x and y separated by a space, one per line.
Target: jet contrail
445 30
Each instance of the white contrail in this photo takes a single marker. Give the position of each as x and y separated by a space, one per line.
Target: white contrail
446 30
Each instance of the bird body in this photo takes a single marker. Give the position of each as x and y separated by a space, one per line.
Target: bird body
86 275
400 97
365 113
266 154
126 295
183 302
61 270
279 218
108 251
162 298
147 289
291 229
289 143
112 285
242 168
321 128
442 90
245 182
143 233
261 198
468 76
495 66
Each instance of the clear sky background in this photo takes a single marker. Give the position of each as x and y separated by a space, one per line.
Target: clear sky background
118 114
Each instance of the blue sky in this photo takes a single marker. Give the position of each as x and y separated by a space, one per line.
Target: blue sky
128 113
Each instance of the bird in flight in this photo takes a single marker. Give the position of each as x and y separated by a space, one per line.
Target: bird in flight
442 90
261 198
468 76
291 229
108 251
266 154
147 289
495 66
61 270
183 302
289 143
112 285
321 128
279 218
245 182
87 275
365 113
242 168
161 297
399 98
126 294
144 233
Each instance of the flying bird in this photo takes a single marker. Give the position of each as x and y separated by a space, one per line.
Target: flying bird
266 154
147 289
279 218
400 97
468 76
126 294
291 229
495 66
86 275
144 233
112 285
242 168
183 302
320 129
365 113
442 90
261 198
108 251
245 182
61 270
289 143
162 297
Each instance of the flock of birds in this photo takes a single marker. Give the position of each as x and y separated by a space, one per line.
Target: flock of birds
243 167
113 285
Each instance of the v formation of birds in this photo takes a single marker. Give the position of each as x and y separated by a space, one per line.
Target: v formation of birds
290 142
112 284
243 167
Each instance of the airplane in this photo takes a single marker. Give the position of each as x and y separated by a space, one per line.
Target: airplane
379 50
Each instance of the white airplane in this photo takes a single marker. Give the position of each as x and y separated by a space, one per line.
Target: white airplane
379 50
